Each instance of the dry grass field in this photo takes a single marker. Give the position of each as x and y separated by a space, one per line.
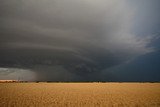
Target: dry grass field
79 94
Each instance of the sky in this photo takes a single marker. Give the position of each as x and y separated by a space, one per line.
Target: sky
80 40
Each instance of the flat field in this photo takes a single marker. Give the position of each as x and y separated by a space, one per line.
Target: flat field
79 94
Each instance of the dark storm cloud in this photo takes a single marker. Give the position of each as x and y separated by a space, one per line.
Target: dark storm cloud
67 39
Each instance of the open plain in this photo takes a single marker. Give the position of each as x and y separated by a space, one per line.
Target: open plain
79 94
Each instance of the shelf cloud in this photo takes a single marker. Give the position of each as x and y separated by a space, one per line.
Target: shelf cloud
68 40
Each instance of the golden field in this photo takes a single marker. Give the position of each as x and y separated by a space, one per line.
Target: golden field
79 94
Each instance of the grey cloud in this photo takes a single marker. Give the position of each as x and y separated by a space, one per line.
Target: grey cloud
16 73
74 38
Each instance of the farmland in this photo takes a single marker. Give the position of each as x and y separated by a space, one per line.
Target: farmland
79 94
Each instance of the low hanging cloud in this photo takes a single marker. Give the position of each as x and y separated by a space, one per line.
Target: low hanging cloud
65 40
17 74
